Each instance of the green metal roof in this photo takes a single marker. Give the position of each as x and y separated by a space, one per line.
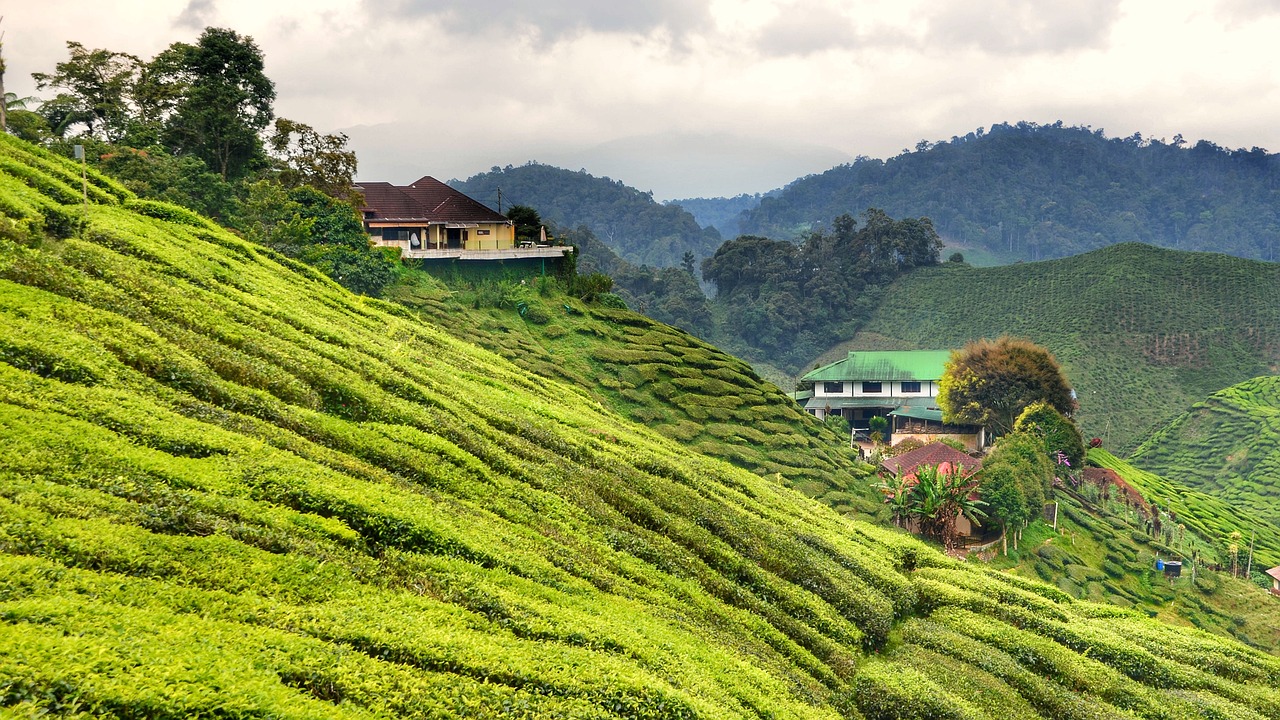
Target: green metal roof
840 403
919 412
885 366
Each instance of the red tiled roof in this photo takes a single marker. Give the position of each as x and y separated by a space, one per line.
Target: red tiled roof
426 200
933 454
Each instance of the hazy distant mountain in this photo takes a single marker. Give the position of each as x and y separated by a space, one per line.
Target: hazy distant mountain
1030 192
641 230
721 213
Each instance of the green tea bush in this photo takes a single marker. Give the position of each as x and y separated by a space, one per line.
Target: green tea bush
885 690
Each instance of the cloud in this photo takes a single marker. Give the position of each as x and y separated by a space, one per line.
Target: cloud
803 30
553 20
197 15
1021 27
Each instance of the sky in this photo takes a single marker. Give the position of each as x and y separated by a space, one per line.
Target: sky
704 98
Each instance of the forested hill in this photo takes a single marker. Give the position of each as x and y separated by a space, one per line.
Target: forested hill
639 229
1031 192
1142 332
232 488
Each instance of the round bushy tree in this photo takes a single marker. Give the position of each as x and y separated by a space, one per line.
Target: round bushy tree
990 383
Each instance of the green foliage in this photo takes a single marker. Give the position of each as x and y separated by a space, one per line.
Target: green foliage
1138 353
991 383
1022 455
224 103
1030 192
321 162
1227 446
789 302
233 488
1059 434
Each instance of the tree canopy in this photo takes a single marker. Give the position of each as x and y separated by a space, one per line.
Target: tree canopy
991 383
1028 191
790 302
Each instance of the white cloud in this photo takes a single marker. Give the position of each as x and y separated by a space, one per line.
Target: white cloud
506 81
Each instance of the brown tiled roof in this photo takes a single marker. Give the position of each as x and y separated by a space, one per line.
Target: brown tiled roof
426 200
1274 572
933 454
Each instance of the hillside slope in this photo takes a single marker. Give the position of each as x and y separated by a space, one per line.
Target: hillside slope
1142 332
1227 446
233 489
638 228
1033 192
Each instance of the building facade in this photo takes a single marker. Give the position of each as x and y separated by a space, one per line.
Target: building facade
900 386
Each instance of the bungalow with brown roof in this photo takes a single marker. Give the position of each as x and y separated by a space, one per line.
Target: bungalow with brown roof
1274 574
429 220
947 460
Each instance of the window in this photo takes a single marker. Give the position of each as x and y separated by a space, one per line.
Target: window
395 234
911 386
833 388
482 232
871 388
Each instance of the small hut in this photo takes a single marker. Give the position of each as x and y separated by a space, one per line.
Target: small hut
1274 574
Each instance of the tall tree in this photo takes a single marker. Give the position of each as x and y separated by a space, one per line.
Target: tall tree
98 90
990 383
319 161
226 104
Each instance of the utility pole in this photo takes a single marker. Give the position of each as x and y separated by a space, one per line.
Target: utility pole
1248 572
499 201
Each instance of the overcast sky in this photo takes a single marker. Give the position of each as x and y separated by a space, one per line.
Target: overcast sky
706 97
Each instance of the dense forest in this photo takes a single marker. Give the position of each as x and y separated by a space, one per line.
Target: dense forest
1031 192
639 229
720 213
785 303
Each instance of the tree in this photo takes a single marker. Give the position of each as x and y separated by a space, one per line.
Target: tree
1024 454
1003 493
527 221
224 99
991 383
319 161
4 117
933 500
1059 433
688 261
99 92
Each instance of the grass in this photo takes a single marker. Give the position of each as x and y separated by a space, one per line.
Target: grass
231 488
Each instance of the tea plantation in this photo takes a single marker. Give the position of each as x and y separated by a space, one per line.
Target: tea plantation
1142 332
1227 446
232 489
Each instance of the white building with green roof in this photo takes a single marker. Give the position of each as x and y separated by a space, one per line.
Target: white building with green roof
898 385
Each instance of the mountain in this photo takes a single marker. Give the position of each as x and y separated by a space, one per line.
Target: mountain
639 229
1031 192
1142 332
230 487
1228 446
721 213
